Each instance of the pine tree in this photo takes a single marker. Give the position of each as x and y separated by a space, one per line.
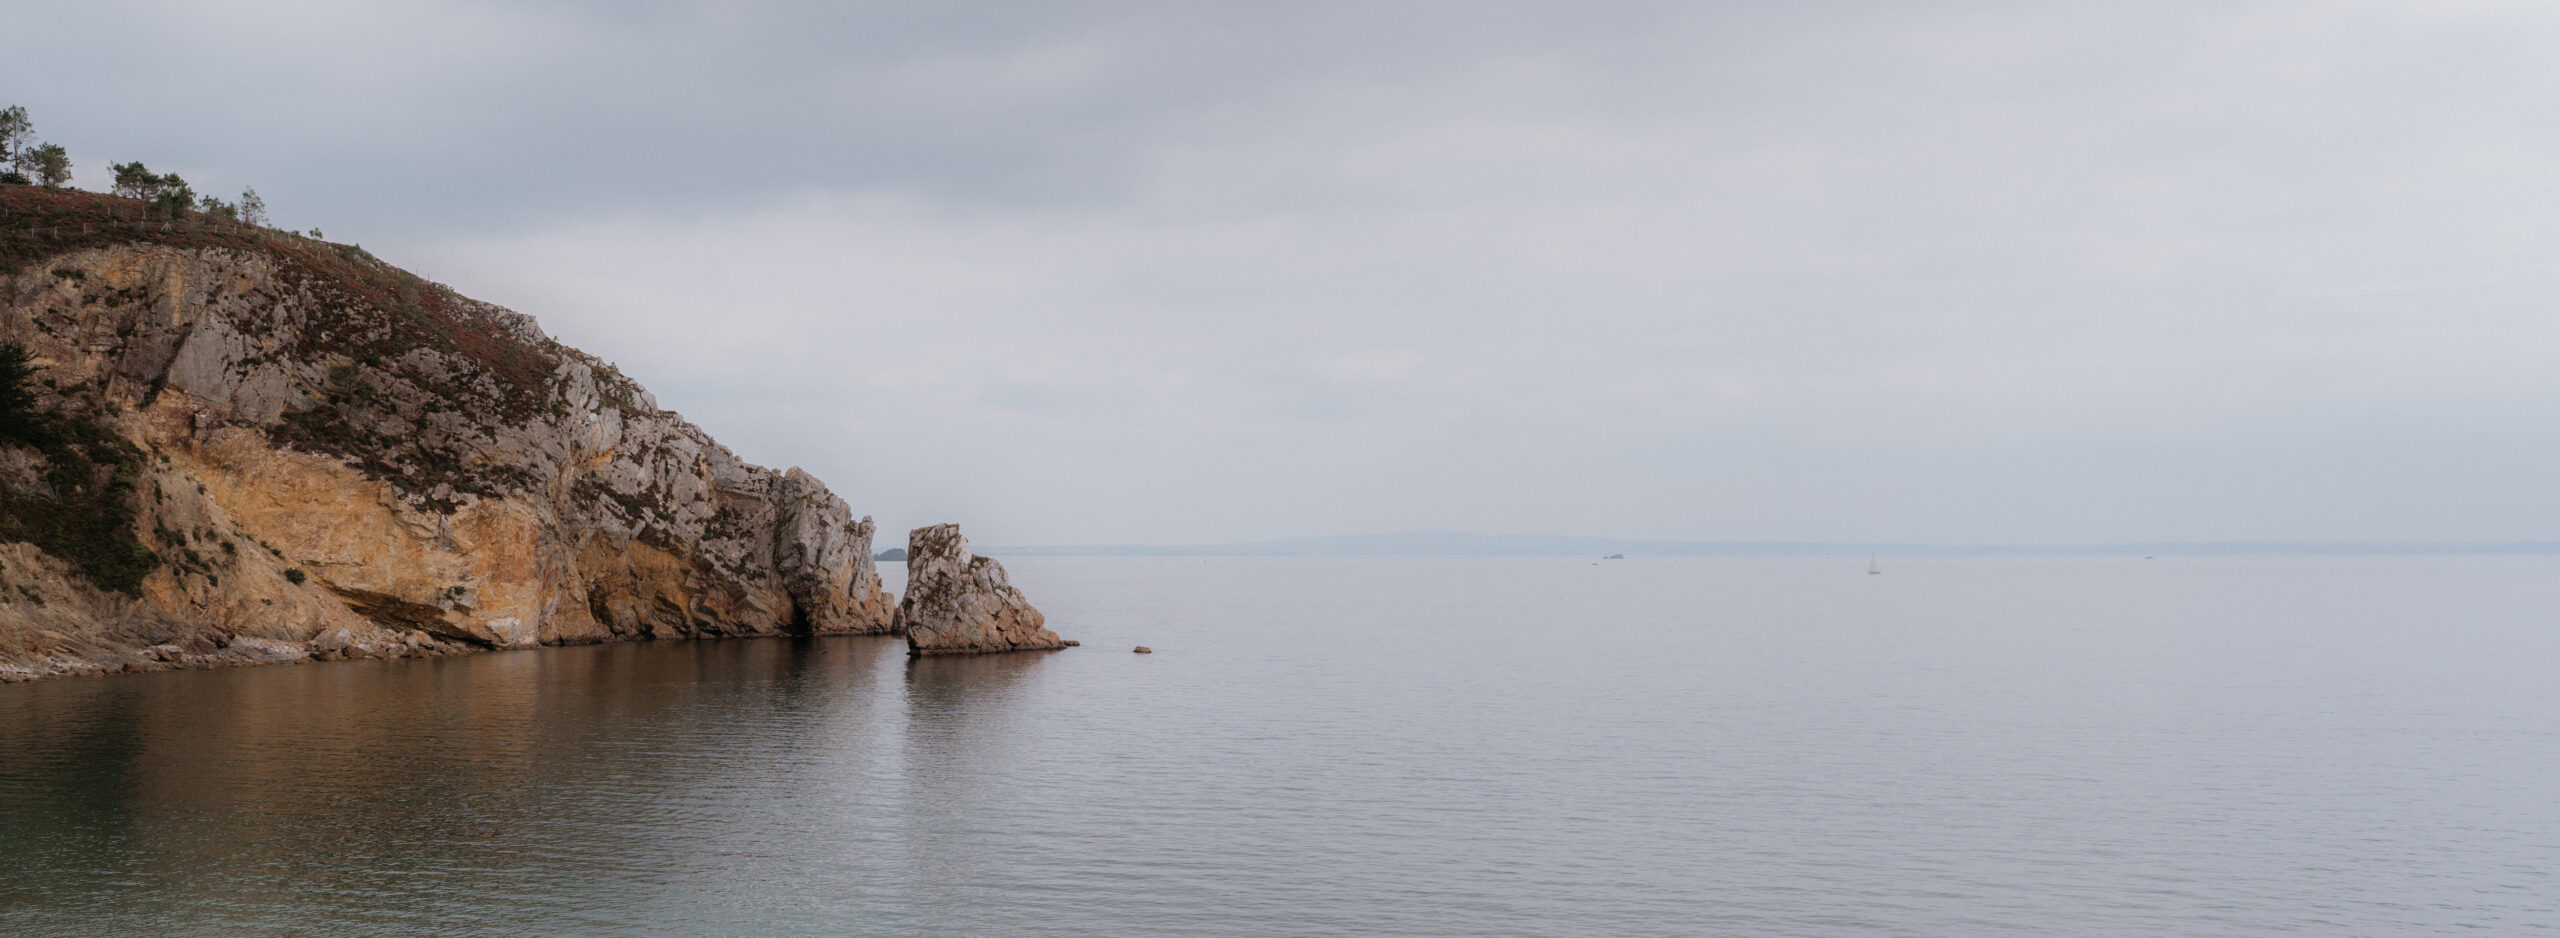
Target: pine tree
17 392
48 165
14 130
136 181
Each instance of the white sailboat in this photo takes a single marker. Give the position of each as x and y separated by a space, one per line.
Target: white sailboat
1871 565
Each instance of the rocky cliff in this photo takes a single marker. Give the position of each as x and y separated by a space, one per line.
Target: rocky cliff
958 603
250 446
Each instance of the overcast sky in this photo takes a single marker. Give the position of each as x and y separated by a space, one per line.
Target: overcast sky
1184 272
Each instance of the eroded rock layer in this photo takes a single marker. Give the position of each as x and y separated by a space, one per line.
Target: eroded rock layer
960 603
280 448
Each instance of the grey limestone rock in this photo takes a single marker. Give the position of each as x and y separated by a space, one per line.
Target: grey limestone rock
959 603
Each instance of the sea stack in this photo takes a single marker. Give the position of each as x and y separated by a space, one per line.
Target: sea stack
959 604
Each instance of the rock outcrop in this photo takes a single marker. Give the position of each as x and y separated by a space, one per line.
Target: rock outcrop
252 446
957 603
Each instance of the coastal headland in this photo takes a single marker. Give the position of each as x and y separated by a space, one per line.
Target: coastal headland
240 445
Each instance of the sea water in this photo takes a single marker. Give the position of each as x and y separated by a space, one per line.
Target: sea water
1399 746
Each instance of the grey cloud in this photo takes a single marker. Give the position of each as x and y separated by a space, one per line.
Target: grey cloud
470 114
1168 271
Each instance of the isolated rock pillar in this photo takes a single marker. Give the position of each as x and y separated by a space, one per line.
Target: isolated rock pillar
958 604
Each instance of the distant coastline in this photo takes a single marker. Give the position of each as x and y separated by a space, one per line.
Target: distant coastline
1461 544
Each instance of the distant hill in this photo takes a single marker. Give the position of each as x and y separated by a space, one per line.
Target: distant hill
1462 544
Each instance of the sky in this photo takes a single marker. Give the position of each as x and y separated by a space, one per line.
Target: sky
1188 272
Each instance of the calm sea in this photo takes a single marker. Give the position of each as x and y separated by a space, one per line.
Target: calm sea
1959 747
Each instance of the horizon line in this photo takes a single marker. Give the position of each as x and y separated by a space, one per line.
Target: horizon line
1460 543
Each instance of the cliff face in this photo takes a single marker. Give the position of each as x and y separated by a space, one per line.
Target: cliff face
264 448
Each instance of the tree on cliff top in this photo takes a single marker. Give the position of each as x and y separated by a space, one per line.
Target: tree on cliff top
135 181
14 129
175 196
47 164
165 192
26 162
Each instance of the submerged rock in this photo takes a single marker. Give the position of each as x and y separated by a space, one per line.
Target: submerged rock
957 603
1143 650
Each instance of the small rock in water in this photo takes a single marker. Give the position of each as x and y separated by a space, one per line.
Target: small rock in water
1071 643
1143 650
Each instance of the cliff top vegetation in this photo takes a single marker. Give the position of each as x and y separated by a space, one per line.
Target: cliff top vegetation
38 223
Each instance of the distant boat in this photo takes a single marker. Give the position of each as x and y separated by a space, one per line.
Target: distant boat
1871 565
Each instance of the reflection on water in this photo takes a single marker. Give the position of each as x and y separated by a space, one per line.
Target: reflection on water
950 779
1420 747
953 701
380 791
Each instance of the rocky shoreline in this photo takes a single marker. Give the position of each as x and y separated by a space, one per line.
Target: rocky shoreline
956 603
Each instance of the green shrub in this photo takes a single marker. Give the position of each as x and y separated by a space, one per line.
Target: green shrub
87 519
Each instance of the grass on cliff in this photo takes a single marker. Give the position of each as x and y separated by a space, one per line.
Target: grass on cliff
84 510
88 517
